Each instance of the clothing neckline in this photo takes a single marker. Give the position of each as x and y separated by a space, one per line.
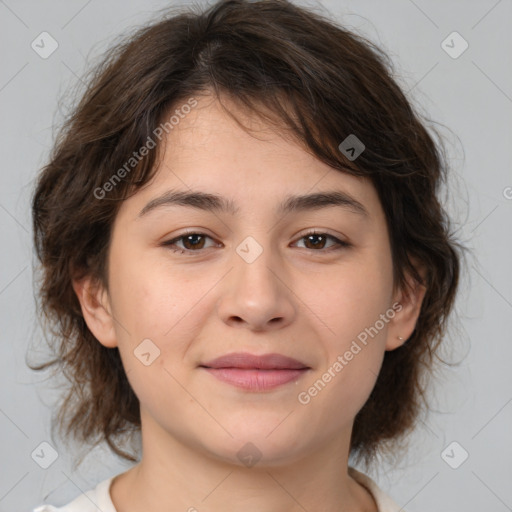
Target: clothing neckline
383 501
104 497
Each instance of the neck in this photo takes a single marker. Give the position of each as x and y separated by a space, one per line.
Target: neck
175 476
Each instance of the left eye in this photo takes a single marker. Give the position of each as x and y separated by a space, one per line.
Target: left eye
195 242
315 239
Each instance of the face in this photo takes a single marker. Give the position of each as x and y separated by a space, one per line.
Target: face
189 284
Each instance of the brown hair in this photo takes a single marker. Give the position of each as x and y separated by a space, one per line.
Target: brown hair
322 83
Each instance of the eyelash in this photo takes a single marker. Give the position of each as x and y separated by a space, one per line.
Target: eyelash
340 243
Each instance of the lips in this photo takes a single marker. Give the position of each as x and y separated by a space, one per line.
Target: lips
244 360
256 373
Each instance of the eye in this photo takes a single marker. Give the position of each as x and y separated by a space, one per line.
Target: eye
315 240
195 242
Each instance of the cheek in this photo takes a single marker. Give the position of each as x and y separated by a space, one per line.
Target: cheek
352 298
150 296
165 306
350 306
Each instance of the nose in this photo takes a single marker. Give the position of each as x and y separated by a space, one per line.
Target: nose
255 295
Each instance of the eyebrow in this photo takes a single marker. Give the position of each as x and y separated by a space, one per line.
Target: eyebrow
294 203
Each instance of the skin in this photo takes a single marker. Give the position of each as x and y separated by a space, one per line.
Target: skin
298 299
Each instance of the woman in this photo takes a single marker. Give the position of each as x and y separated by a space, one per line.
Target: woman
246 262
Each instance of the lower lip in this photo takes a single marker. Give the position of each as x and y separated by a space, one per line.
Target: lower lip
254 379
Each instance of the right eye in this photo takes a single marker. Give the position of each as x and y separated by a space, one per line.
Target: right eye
194 240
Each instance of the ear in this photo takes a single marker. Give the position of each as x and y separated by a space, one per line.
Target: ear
407 305
96 310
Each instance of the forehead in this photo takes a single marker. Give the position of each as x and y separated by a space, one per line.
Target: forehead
208 151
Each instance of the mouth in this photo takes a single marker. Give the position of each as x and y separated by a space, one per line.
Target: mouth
256 373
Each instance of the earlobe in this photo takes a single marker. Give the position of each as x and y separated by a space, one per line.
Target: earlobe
404 322
96 309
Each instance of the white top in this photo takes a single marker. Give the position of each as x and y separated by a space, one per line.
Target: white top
99 500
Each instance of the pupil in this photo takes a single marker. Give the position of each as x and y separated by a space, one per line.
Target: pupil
189 240
310 237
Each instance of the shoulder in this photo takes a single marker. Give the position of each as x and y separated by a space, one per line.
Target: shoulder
384 502
93 500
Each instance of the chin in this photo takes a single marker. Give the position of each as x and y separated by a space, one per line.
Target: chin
256 446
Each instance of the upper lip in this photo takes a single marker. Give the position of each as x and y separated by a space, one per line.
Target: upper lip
249 361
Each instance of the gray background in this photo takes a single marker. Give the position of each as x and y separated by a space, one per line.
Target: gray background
471 95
